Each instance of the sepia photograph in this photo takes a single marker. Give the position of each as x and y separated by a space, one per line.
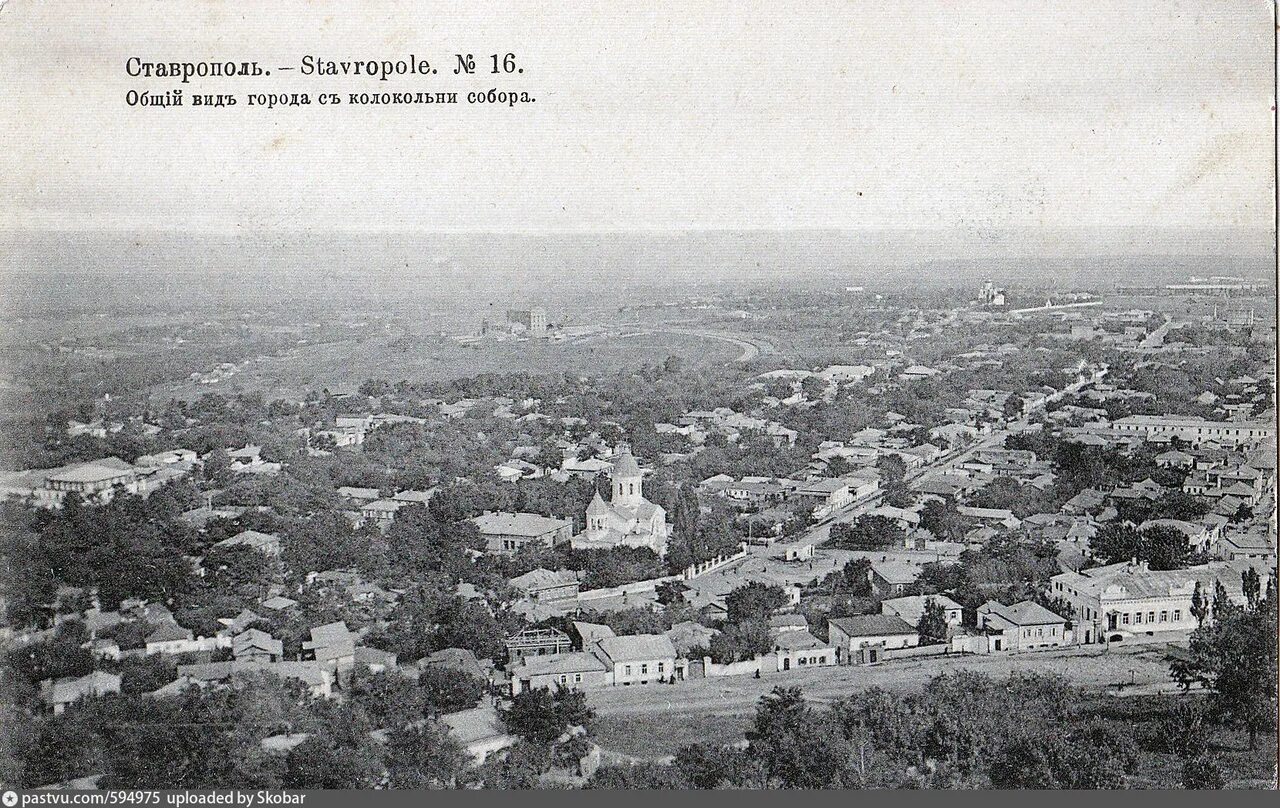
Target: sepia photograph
668 396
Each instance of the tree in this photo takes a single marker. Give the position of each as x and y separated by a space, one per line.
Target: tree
217 467
1093 757
942 520
1202 773
1234 656
741 641
423 756
893 473
852 580
794 748
1199 605
549 456
445 690
1012 407
1163 548
388 697
867 533
813 387
322 761
1116 543
754 600
933 623
839 466
1251 585
541 716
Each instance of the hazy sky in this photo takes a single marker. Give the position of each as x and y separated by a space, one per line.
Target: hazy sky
677 115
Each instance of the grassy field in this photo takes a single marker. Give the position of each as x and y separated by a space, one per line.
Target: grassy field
341 366
654 722
657 726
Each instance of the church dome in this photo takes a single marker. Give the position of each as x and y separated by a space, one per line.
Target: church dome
626 466
597 506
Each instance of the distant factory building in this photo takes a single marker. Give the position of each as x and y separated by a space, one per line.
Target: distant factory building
534 320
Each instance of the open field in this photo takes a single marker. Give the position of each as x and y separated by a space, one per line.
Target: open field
341 366
635 721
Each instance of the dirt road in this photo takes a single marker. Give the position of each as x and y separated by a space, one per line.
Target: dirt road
653 722
1086 666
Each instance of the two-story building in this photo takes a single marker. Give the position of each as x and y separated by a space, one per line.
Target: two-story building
1119 600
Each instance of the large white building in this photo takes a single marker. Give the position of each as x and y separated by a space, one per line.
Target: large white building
627 519
1121 600
1195 430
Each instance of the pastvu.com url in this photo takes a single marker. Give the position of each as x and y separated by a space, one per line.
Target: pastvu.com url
177 799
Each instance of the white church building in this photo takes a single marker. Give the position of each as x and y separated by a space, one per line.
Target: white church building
627 519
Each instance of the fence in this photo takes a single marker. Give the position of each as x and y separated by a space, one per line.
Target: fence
695 570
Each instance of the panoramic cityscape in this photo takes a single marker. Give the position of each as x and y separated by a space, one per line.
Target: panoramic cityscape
823 533
673 397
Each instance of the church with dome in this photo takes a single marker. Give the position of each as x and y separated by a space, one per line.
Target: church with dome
627 519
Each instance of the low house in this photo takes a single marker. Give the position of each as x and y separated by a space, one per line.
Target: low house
827 493
279 603
460 660
237 624
890 579
479 731
333 646
374 660
797 648
1243 546
1112 602
317 679
755 491
638 658
381 512
911 608
846 373
1026 625
545 586
901 517
414 497
58 693
1087 501
360 495
170 638
103 649
688 637
588 633
863 639
267 543
508 532
784 623
577 670
1175 459
999 516
256 644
